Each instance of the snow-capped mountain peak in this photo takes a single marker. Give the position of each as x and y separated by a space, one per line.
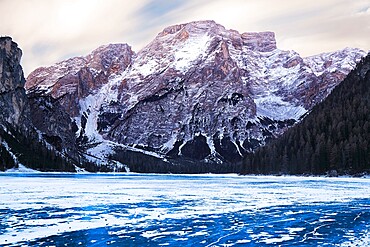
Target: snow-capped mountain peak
197 91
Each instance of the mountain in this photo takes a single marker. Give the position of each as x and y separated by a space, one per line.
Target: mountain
20 141
333 138
195 99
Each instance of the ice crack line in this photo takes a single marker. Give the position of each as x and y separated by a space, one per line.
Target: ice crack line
219 239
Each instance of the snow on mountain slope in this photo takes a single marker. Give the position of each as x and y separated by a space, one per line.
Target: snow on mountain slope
273 107
78 77
190 52
327 61
197 91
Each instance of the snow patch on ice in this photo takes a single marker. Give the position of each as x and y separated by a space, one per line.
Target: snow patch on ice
355 242
271 240
21 168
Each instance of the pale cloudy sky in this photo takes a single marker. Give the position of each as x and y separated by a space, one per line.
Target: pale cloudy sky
52 30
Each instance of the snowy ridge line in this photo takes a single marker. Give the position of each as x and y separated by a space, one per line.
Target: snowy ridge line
196 78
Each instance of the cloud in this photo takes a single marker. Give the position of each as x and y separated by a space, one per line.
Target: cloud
65 27
49 31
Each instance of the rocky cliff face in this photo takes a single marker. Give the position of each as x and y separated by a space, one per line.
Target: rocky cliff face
13 100
76 78
57 95
20 143
196 92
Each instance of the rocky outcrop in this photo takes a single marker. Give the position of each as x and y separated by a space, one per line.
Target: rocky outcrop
197 92
76 78
13 100
262 42
12 96
333 139
55 93
55 124
20 143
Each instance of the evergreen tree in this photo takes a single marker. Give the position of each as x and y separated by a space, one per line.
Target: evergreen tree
334 136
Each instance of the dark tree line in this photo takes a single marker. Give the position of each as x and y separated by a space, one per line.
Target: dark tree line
334 136
30 151
6 159
142 163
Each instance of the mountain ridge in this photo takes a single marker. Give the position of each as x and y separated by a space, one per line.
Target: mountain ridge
197 91
333 139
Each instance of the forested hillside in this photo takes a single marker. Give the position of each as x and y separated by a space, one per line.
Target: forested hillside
20 142
334 136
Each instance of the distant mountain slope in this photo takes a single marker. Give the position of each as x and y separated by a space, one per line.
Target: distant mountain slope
198 92
335 136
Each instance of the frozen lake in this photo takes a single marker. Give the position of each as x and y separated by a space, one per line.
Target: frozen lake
50 209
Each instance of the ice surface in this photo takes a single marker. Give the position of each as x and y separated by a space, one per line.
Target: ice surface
202 210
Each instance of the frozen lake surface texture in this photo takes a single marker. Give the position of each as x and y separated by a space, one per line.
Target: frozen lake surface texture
182 210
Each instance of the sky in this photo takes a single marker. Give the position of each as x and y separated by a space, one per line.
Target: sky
49 31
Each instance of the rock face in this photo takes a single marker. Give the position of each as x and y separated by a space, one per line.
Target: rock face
333 139
56 94
76 78
20 142
262 42
54 123
196 92
13 100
